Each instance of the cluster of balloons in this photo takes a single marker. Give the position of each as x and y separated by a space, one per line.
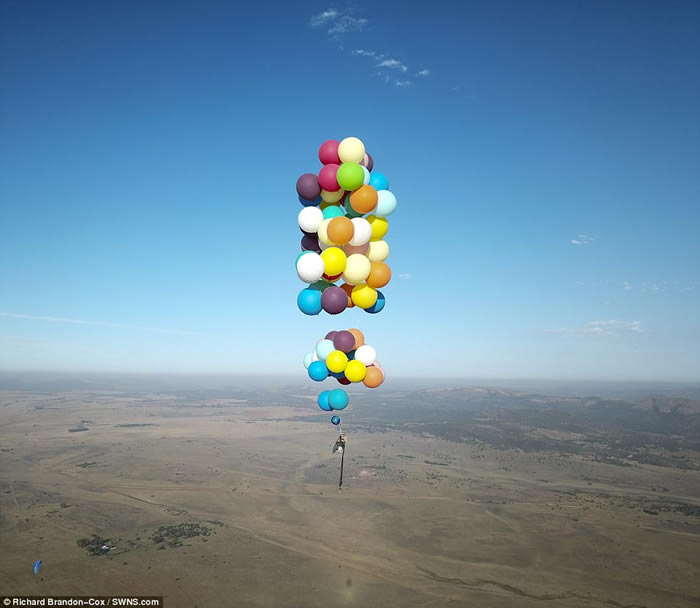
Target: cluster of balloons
345 356
344 224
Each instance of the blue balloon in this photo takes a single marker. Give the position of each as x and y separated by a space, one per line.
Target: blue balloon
37 564
309 301
338 374
338 399
335 420
323 401
313 203
378 181
318 371
378 306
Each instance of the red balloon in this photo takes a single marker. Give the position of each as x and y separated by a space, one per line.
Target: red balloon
328 153
343 380
327 178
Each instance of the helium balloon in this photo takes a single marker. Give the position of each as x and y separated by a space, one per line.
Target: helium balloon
318 371
351 150
350 212
378 181
307 187
323 401
378 251
351 354
335 420
335 260
379 275
334 300
366 178
366 354
363 295
316 201
320 285
380 226
378 305
369 163
347 288
332 197
341 229
343 341
323 233
364 199
337 361
373 378
324 348
353 249
327 178
386 203
359 338
309 301
310 267
357 269
330 335
350 176
355 371
338 399
362 231
309 242
310 219
328 152
343 381
308 360
331 212
331 279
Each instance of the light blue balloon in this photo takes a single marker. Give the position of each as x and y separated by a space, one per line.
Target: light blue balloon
378 306
323 401
338 399
332 211
378 181
324 348
386 203
309 301
366 179
318 371
308 360
335 420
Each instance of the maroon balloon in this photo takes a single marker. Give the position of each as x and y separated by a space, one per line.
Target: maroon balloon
308 188
328 152
330 335
370 162
327 178
344 381
334 301
309 242
344 340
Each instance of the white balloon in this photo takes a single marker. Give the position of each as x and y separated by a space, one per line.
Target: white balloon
362 231
365 180
310 267
366 354
323 233
357 269
308 359
310 219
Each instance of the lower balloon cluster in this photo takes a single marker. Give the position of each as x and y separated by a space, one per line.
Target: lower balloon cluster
344 356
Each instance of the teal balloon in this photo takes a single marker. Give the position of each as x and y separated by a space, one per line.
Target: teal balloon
350 212
324 348
338 399
386 203
323 401
318 371
320 285
332 211
378 181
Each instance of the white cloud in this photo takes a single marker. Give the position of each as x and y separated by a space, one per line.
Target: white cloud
599 328
327 15
403 83
364 53
626 286
406 276
13 315
393 64
424 73
582 239
339 21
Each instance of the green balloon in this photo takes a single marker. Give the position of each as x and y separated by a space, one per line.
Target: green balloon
350 176
351 213
332 211
320 285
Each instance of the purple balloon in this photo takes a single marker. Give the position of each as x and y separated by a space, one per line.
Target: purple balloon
330 335
369 165
307 187
309 242
334 301
344 340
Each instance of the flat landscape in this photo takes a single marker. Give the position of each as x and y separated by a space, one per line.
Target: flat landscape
220 492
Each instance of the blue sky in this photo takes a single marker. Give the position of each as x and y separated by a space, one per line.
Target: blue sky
544 155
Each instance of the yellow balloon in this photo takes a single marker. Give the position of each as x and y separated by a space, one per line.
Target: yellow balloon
323 233
336 361
357 269
355 371
325 204
334 261
351 150
378 251
380 226
363 295
332 197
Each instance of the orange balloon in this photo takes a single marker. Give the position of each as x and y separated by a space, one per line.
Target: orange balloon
379 275
364 199
350 249
347 288
359 337
340 230
373 378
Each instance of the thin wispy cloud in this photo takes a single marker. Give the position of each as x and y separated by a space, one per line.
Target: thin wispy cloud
599 328
393 64
338 21
110 324
406 276
626 285
403 83
423 73
328 15
364 53
582 239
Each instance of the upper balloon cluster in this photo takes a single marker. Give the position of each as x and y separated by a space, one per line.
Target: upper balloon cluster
344 224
